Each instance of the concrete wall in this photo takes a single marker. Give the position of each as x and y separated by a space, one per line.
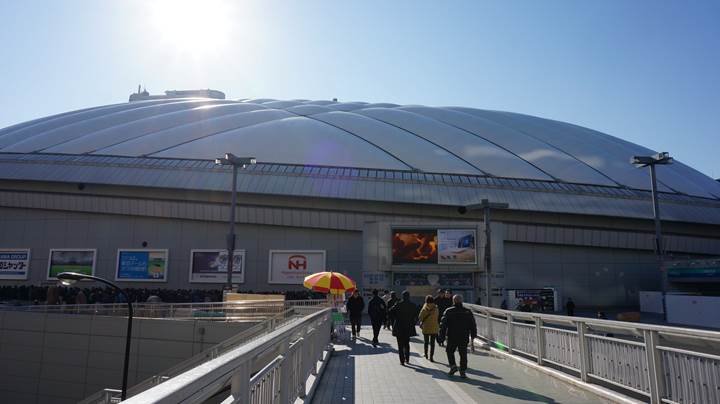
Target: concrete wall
593 277
57 358
41 230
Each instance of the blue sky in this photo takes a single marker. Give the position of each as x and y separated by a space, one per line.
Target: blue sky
645 71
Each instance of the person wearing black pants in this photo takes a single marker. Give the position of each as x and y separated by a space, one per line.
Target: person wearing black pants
458 326
429 323
355 306
404 315
376 310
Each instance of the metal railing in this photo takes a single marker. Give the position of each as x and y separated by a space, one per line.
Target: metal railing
660 364
285 358
108 396
234 310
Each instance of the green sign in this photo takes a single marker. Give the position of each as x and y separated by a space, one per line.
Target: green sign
71 260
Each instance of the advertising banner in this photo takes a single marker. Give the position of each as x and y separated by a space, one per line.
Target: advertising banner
416 246
456 246
374 280
80 260
434 281
290 267
14 263
141 265
210 266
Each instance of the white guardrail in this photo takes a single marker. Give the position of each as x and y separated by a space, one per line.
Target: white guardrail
242 309
657 363
272 368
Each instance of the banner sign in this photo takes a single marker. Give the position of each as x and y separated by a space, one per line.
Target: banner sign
374 280
456 246
14 263
290 267
434 246
434 280
80 260
141 265
210 266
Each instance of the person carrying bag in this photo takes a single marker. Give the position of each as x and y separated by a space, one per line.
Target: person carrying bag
430 325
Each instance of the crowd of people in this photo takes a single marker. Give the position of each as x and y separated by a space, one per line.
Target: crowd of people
442 318
29 294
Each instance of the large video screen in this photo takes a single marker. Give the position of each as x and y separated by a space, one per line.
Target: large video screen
456 246
434 246
414 246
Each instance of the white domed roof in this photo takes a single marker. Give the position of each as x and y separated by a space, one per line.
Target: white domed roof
447 140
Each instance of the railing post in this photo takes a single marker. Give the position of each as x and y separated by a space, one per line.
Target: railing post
240 384
285 387
490 337
655 367
302 355
539 340
510 336
582 345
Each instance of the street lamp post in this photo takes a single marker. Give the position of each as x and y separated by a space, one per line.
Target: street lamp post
236 162
486 206
68 278
662 158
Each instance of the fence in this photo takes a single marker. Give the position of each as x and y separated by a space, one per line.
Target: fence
289 315
236 310
286 357
657 363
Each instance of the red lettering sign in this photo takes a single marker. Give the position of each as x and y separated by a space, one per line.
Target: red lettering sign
297 262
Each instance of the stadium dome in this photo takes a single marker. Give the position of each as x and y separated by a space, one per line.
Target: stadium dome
463 148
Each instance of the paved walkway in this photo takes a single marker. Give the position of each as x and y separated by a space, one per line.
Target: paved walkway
359 373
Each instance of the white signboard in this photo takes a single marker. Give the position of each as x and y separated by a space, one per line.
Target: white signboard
290 267
456 246
14 263
210 266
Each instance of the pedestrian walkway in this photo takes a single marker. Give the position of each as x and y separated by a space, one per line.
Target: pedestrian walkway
361 374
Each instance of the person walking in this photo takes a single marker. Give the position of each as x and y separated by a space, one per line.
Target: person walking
404 315
355 305
458 328
390 303
570 307
377 309
443 302
386 299
429 315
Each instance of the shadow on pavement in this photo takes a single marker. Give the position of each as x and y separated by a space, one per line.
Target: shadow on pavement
508 391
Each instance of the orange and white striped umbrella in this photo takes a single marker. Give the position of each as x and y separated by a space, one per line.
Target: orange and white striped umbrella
329 282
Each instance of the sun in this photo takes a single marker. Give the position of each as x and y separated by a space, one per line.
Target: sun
194 27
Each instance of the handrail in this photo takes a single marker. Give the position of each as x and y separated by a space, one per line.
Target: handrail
234 368
667 362
212 310
244 336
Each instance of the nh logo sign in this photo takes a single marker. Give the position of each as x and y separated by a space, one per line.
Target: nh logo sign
297 262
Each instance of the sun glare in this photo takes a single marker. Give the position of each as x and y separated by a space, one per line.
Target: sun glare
194 27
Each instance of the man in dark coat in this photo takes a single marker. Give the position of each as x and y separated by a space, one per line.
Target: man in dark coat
355 306
443 302
390 303
570 307
377 310
457 326
404 315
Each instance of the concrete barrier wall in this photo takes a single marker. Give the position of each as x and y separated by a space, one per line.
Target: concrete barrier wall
63 358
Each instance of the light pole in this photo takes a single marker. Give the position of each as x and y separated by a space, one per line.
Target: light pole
68 278
661 158
486 206
241 162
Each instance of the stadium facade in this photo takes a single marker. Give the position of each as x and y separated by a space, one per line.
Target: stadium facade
130 192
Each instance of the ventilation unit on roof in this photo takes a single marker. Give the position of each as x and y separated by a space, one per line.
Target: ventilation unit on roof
206 93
